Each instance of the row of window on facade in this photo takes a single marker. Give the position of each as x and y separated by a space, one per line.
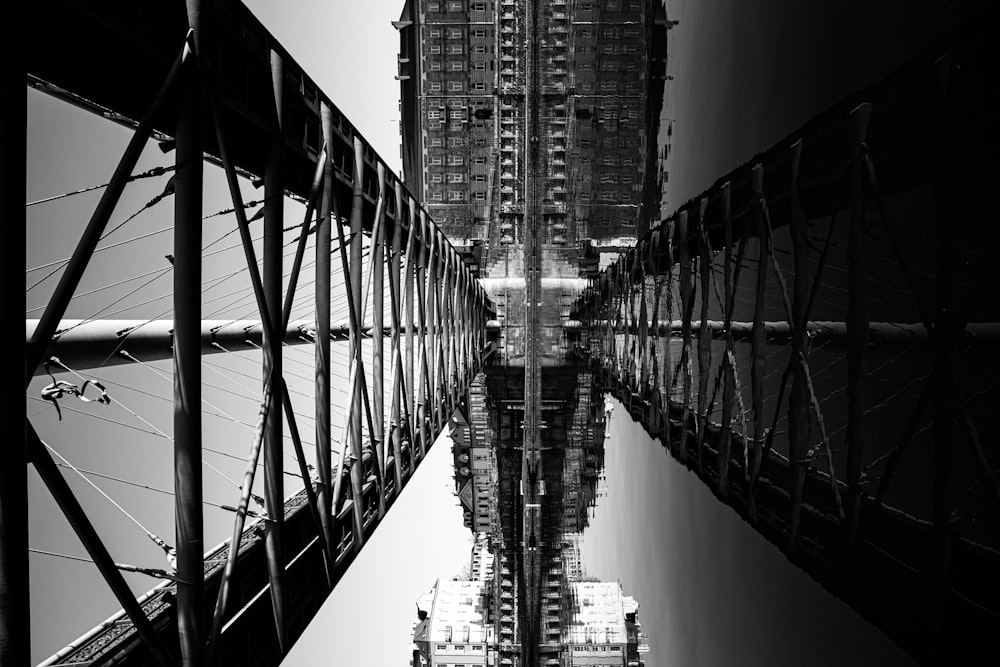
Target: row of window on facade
455 195
608 65
459 647
458 66
609 32
455 6
450 177
610 5
450 6
458 142
455 33
457 87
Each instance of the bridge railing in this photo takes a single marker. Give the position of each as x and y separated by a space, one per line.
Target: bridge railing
209 82
815 336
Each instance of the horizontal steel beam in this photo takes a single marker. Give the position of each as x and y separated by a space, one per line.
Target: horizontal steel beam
778 333
99 343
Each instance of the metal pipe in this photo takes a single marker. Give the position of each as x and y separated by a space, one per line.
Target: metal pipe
307 483
322 395
422 378
274 490
98 221
357 204
246 492
300 247
71 509
240 211
412 259
377 255
189 518
15 635
398 388
857 323
98 343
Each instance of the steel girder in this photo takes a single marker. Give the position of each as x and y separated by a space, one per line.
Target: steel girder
236 601
831 509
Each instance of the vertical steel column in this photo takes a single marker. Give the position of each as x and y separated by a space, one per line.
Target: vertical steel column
628 314
274 492
397 364
655 413
378 337
758 368
356 405
15 635
799 420
704 334
420 408
450 291
727 368
433 325
668 364
857 320
686 313
189 519
642 334
322 395
410 276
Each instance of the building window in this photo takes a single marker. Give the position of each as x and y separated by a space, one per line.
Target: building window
436 196
479 32
434 114
479 48
454 6
434 86
436 142
456 142
435 49
455 160
455 49
434 33
480 178
455 33
457 114
456 178
435 160
457 66
455 195
435 65
455 86
435 178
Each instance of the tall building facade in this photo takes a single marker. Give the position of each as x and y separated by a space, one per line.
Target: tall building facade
529 132
464 71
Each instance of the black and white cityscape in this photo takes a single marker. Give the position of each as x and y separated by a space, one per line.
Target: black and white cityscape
688 309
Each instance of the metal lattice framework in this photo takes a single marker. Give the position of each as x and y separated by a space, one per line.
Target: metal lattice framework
900 526
230 94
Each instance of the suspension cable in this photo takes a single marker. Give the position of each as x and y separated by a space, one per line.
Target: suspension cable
155 171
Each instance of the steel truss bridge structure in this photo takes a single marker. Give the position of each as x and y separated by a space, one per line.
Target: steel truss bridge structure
749 333
210 83
877 475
